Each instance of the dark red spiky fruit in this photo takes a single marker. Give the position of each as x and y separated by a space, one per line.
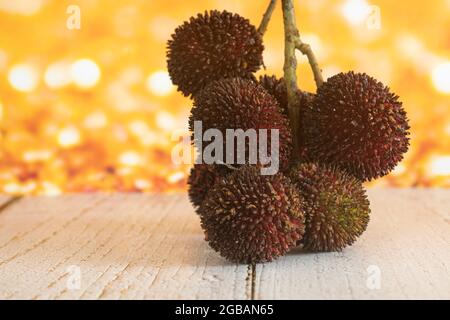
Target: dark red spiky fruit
251 218
358 124
241 104
202 178
335 205
277 88
213 46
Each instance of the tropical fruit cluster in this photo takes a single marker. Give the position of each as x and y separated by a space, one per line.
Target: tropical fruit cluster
352 130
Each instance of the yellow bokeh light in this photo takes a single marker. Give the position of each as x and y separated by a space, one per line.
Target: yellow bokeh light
399 169
1 112
440 165
37 155
355 11
176 177
25 7
57 75
142 184
51 189
130 158
441 77
69 137
410 45
85 73
3 59
162 27
139 127
95 120
165 121
16 188
12 187
159 83
447 129
93 109
23 77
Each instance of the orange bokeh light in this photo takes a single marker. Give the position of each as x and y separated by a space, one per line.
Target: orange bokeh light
92 109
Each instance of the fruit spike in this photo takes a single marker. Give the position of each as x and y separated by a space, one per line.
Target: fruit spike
242 104
251 218
213 46
335 205
277 88
357 124
202 178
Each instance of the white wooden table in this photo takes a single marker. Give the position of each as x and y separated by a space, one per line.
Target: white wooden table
127 246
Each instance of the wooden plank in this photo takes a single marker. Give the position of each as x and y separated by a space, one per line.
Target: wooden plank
111 246
4 199
407 243
138 246
436 200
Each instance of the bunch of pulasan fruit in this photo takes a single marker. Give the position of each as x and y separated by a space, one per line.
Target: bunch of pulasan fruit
352 130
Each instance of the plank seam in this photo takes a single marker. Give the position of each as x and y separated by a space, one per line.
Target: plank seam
9 203
253 281
250 281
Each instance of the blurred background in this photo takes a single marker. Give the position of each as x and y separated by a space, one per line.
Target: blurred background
90 107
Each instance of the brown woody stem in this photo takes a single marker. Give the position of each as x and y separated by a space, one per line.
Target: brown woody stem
293 42
266 17
291 35
306 50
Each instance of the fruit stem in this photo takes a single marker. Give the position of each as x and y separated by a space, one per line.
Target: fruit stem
293 42
306 50
291 35
266 17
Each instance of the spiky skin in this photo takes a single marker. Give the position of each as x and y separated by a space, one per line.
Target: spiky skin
201 180
250 218
277 88
335 204
212 46
358 124
242 104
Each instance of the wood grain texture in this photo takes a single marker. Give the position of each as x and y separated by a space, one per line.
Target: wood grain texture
129 246
407 242
125 246
3 200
